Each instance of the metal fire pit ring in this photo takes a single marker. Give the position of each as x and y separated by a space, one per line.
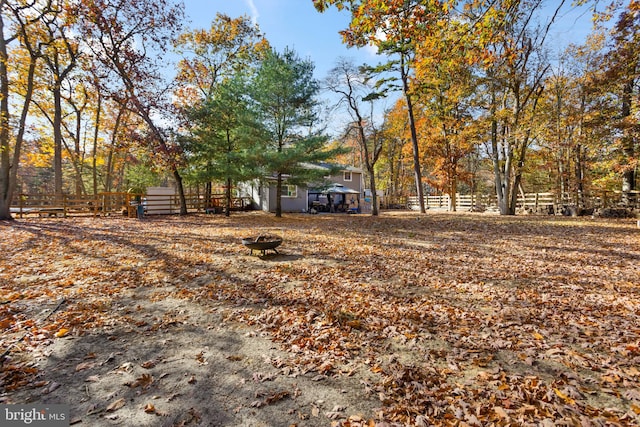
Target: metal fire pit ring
262 243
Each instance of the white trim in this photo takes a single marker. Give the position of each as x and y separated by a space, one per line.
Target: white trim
287 193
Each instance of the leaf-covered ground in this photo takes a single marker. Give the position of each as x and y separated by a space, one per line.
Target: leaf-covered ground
405 319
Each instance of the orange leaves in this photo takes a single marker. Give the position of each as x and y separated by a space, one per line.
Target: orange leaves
538 336
441 317
144 381
6 321
61 333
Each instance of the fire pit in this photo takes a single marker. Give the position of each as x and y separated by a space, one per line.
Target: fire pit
262 243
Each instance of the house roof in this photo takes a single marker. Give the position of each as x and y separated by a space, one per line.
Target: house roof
328 166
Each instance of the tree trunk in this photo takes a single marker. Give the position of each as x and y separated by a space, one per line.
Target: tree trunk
208 188
57 141
417 169
5 152
110 166
183 200
579 171
279 196
94 151
498 168
109 170
228 197
628 146
453 195
8 169
374 195
144 114
78 156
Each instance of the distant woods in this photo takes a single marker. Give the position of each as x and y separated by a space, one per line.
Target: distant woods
102 96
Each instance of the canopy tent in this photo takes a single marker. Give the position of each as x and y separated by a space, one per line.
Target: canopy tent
333 189
334 198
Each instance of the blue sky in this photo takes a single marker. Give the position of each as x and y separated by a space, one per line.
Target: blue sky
313 35
288 23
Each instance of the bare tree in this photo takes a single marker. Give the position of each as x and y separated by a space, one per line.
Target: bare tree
132 52
357 98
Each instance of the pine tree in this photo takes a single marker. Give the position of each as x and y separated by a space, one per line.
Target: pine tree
284 94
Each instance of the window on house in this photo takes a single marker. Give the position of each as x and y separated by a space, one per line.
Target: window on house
289 190
347 176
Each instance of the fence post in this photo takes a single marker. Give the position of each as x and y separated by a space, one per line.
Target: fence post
95 205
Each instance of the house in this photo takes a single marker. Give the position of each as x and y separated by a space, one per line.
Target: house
343 194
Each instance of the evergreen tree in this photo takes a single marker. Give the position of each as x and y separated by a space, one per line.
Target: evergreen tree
225 138
284 94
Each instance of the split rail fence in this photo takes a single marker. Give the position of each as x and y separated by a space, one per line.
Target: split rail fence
126 204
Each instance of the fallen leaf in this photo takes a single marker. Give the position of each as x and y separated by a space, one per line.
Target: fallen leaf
501 413
564 397
53 386
84 365
114 406
276 397
143 381
201 359
148 364
61 333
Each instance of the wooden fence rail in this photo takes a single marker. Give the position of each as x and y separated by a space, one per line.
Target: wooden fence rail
530 202
105 204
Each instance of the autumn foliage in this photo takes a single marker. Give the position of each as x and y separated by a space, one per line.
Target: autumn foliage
442 319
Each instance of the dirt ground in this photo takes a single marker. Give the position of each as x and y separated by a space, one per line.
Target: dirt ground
406 319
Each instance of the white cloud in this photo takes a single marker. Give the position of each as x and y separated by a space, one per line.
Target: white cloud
371 47
254 11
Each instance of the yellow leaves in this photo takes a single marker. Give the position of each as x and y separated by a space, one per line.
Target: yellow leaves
209 55
564 397
61 333
611 379
377 369
632 371
538 336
